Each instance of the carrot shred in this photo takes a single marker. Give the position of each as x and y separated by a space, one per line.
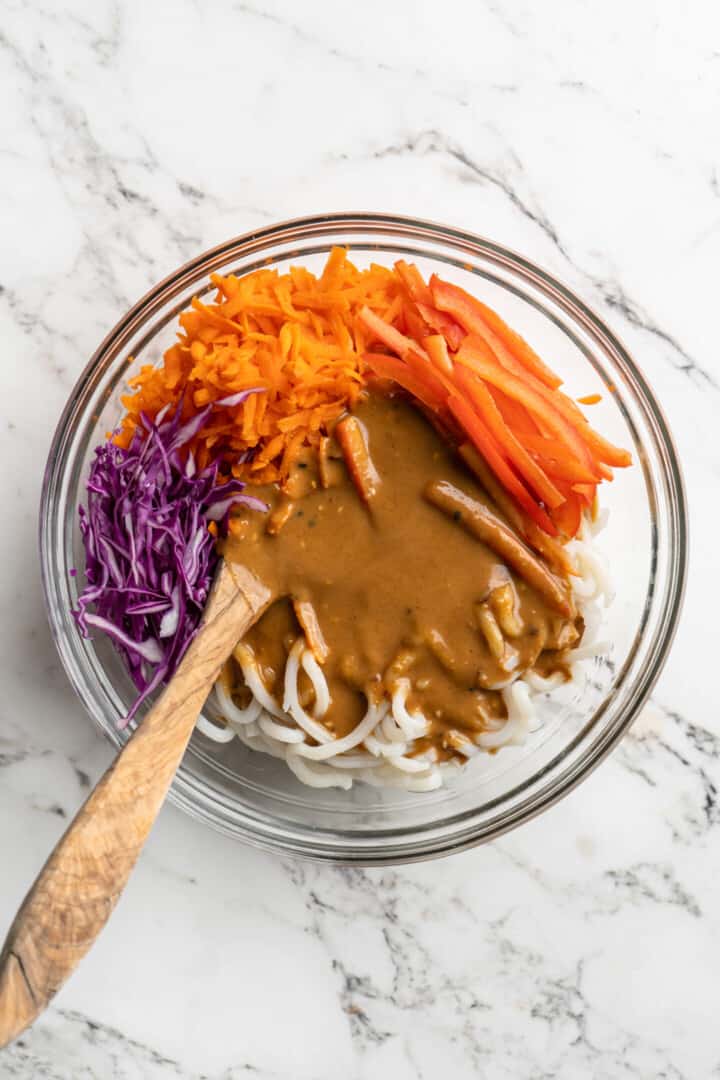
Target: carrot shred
304 345
296 336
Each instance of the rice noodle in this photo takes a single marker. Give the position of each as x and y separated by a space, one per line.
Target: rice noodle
291 699
318 777
285 734
319 683
412 725
367 725
214 731
231 712
379 750
253 679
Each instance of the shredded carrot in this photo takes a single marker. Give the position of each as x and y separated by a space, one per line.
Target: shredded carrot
307 346
295 336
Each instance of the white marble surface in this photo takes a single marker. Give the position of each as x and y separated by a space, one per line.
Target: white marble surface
133 135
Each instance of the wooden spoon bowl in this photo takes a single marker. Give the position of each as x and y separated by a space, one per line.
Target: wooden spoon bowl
79 885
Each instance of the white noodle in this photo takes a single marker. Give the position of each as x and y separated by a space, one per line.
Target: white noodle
412 725
214 731
376 745
391 731
588 651
520 712
291 701
409 765
379 751
231 712
390 778
273 730
354 761
253 679
319 682
539 684
468 749
369 722
318 777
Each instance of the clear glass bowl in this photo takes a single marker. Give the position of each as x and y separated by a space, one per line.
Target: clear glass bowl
254 797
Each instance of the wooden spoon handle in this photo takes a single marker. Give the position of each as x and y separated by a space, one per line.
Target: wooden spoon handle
80 883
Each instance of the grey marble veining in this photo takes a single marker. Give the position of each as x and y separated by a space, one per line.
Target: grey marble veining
132 137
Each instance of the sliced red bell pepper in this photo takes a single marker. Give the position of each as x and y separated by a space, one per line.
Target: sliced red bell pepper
477 318
422 297
389 336
600 448
476 354
389 367
424 369
568 516
415 325
513 413
514 451
443 324
413 281
484 442
586 492
435 346
511 355
555 460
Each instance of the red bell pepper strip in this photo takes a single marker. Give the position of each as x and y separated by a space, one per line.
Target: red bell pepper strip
388 367
478 318
389 336
421 295
436 348
568 516
484 442
477 355
514 451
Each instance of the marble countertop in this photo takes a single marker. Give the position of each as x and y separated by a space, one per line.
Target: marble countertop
134 135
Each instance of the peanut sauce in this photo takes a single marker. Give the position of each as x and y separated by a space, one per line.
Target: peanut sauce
399 588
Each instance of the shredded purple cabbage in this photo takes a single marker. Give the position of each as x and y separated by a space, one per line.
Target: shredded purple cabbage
149 556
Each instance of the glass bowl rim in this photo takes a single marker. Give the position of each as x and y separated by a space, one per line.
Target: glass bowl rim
188 795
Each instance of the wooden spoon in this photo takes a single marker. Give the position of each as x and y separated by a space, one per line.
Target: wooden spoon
80 883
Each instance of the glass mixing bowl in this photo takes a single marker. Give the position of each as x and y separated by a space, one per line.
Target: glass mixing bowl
255 797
